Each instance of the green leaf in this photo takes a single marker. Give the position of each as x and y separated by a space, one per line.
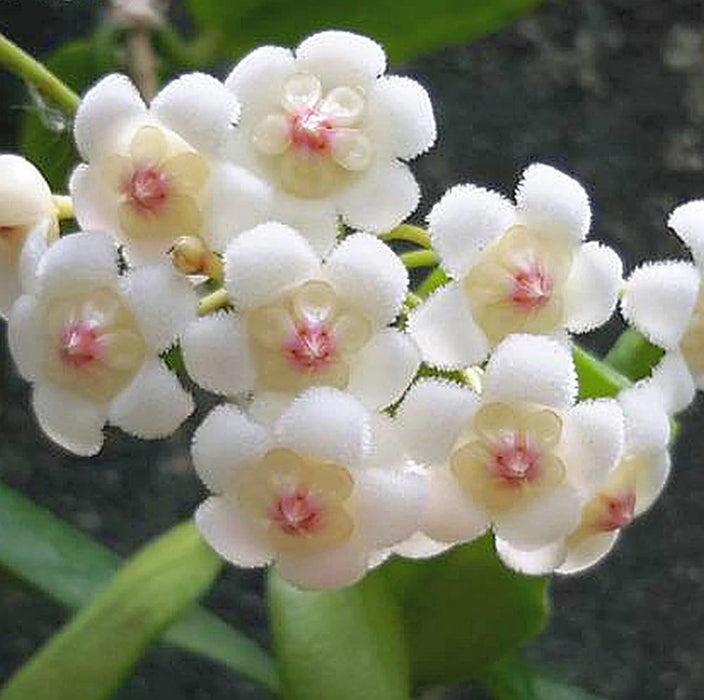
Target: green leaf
70 568
405 30
595 377
633 355
341 645
464 610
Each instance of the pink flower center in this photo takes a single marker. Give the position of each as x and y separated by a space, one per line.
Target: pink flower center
147 189
530 288
79 344
297 513
311 348
617 511
310 131
515 463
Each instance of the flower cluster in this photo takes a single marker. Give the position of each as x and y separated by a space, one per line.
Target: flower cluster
240 222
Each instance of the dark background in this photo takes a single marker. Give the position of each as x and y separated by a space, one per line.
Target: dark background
611 91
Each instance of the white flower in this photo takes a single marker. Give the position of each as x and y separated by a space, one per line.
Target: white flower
299 323
317 494
89 340
156 174
516 269
522 458
331 132
25 204
665 301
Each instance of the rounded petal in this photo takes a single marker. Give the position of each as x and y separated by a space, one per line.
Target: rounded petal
651 477
25 196
199 108
588 552
551 202
368 274
592 442
445 330
381 198
228 530
592 287
10 287
531 368
674 382
267 407
94 205
265 261
163 302
35 246
465 221
386 449
326 423
687 221
217 356
108 107
420 546
432 417
331 568
533 563
223 443
659 300
647 425
383 369
315 219
341 58
25 336
70 421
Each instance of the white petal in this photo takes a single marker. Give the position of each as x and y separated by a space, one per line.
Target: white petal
651 479
388 506
70 421
199 108
420 546
153 405
314 219
35 245
544 521
76 261
216 354
25 196
592 287
674 382
589 551
108 107
25 337
445 330
163 302
94 205
549 201
238 201
223 443
531 368
382 370
332 568
381 199
10 287
432 416
533 563
592 442
687 220
265 261
646 420
326 423
368 274
404 111
465 221
341 58
267 407
230 533
386 449
659 300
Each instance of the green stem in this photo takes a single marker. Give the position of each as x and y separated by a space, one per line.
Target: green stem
406 232
19 62
633 356
213 301
420 258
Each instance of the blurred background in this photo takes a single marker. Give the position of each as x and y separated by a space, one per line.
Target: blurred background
611 91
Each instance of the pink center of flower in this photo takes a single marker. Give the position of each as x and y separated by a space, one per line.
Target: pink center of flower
147 189
310 131
530 288
297 513
515 463
311 348
617 511
79 344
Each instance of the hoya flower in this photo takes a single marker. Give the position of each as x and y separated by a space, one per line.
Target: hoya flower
521 458
519 268
25 204
665 301
317 493
89 340
301 323
331 132
154 174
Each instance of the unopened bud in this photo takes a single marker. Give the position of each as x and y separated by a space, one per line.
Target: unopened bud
191 256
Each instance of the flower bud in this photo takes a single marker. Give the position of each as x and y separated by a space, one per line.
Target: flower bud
191 256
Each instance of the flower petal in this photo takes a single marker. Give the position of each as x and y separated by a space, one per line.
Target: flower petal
35 246
445 330
531 368
25 336
674 382
651 477
687 220
315 219
420 546
331 568
592 287
647 425
588 551
659 300
228 530
25 196
533 563
551 202
94 204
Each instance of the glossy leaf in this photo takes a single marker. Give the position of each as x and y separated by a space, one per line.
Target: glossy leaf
346 644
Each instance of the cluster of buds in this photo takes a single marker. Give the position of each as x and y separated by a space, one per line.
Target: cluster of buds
359 421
